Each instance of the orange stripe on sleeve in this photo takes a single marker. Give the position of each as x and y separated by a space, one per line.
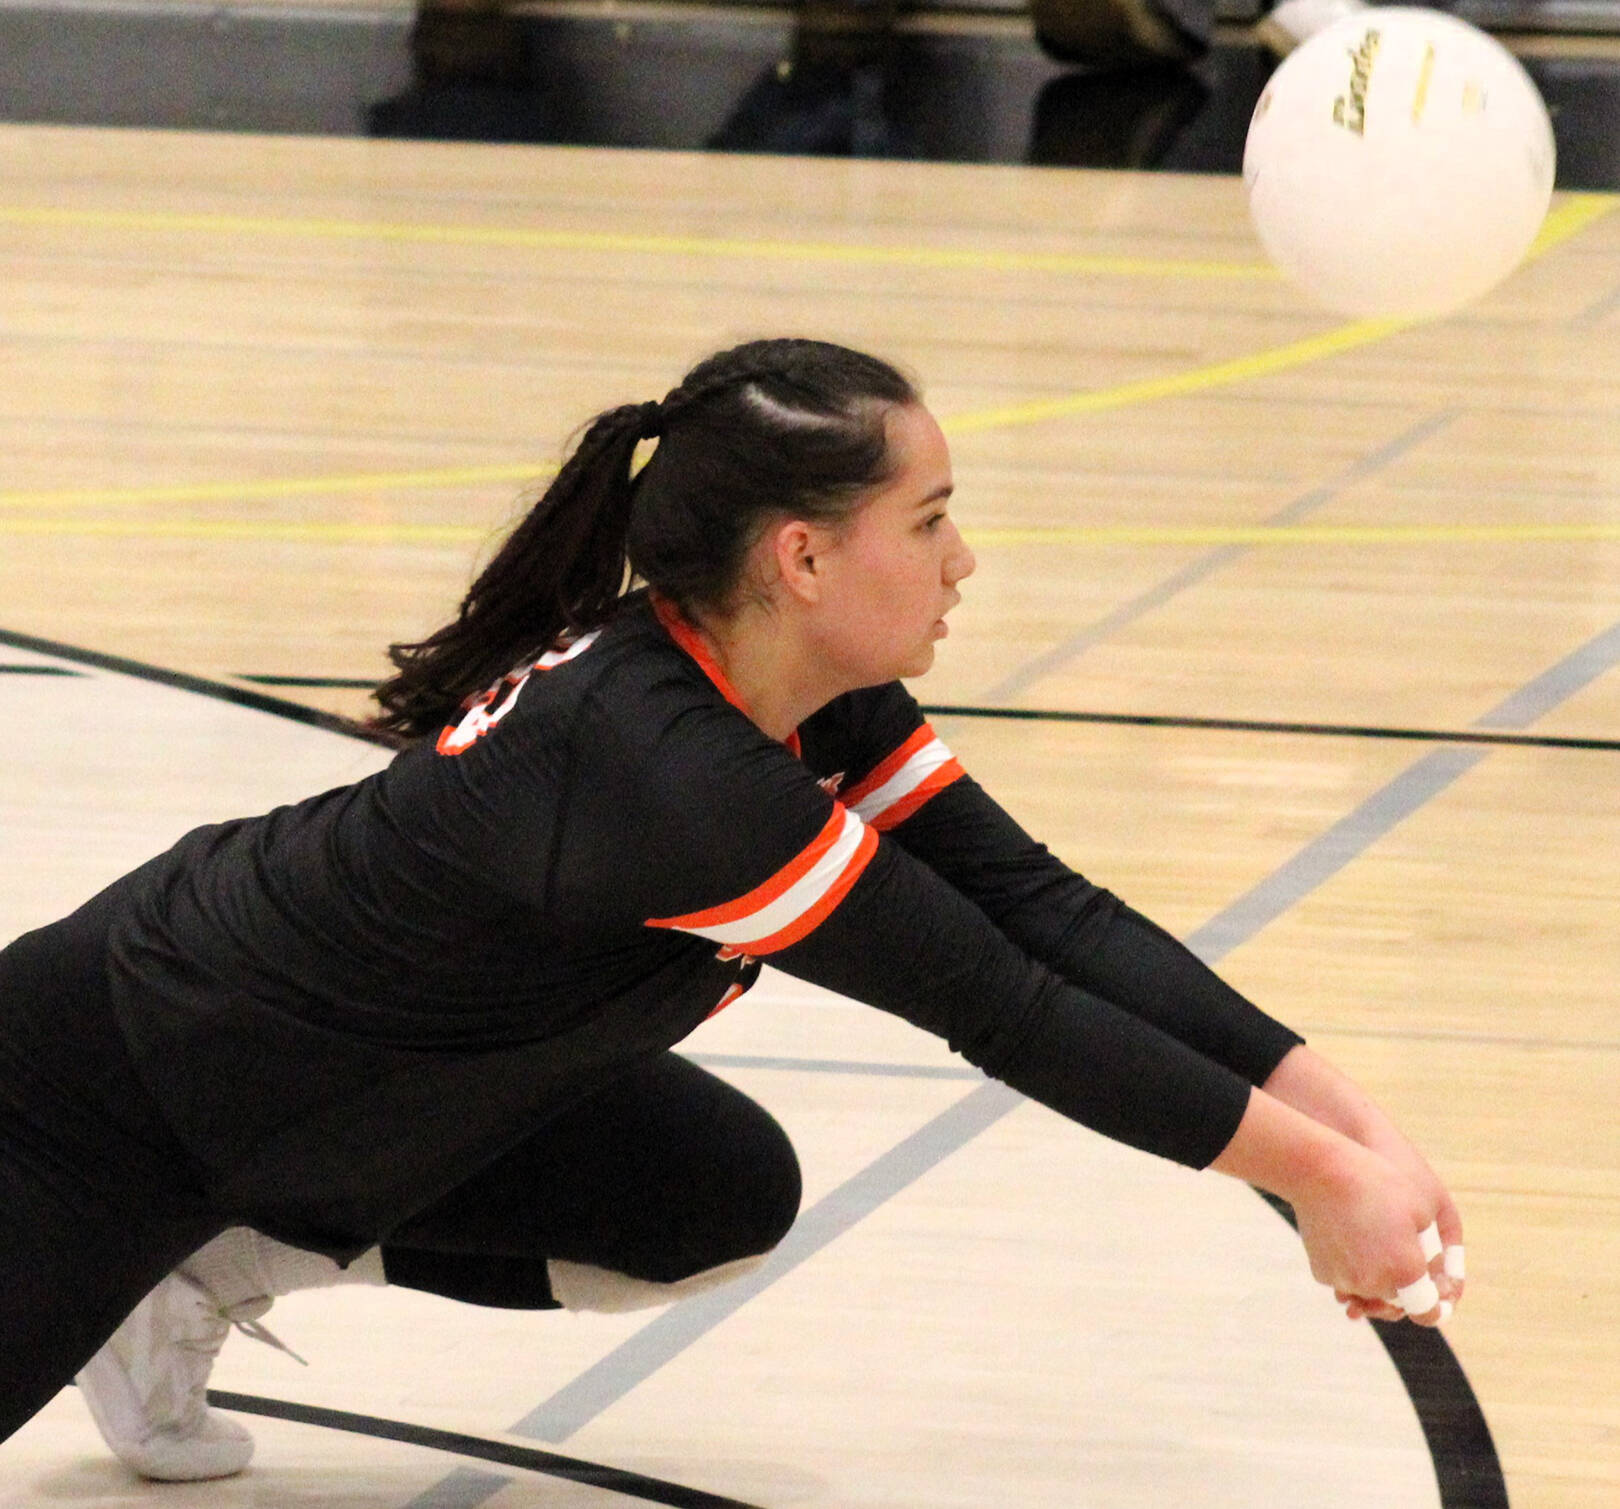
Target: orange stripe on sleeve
809 921
889 768
765 893
892 817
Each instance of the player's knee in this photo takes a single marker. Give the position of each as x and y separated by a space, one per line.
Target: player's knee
746 1203
768 1205
728 1225
779 1207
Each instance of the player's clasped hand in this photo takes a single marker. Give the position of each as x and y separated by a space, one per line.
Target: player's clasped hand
1379 1225
1431 1299
1387 1249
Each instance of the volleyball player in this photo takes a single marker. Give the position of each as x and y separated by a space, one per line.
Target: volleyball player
418 1029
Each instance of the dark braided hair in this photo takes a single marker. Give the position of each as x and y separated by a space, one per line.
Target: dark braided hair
768 429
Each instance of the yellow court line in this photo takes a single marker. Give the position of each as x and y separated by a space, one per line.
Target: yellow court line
1178 384
1568 220
606 241
253 529
1169 535
1199 379
280 487
1588 206
1295 534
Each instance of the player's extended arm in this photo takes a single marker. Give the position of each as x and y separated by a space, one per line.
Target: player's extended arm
1093 939
1361 1217
1310 1084
1088 935
906 941
786 874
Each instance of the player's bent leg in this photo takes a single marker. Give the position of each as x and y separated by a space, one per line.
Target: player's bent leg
549 1283
97 1202
70 1283
668 1177
665 1184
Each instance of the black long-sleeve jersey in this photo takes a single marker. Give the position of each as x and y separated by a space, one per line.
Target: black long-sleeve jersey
347 1006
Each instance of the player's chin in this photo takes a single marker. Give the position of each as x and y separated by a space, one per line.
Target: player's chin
921 661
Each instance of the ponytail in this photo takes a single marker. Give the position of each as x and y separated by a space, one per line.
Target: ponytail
558 573
790 426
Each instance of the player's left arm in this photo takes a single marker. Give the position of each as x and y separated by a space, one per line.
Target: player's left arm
1087 934
1090 937
909 785
1310 1084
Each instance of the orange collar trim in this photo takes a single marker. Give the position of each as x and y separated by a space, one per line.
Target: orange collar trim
689 639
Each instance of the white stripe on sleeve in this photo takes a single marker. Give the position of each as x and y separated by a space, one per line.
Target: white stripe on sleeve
798 899
905 780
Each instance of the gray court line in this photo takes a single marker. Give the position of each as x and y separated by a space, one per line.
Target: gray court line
1326 855
1576 671
1212 561
854 1066
465 1488
677 1328
1413 788
666 1337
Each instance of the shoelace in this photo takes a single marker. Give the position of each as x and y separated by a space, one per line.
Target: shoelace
244 1316
251 1328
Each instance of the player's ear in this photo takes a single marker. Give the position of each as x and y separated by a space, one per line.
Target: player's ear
796 547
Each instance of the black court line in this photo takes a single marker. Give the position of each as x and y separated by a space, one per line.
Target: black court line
262 702
1466 1467
339 683
36 670
1262 726
1468 1471
553 1464
1136 720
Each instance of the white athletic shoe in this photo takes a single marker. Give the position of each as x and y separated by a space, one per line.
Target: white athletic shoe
1291 22
147 1387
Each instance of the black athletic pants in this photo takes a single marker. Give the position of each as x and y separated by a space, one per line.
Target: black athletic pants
664 1174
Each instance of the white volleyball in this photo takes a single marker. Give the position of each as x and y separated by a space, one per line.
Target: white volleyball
1399 162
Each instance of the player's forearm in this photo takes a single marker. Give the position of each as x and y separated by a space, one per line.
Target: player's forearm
1283 1150
1087 935
1310 1084
1112 950
906 941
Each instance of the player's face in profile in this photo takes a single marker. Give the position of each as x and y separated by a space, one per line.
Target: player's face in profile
894 571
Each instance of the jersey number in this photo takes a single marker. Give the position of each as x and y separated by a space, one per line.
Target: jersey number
486 711
488 708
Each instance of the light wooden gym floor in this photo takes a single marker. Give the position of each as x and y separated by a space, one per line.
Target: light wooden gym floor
267 400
